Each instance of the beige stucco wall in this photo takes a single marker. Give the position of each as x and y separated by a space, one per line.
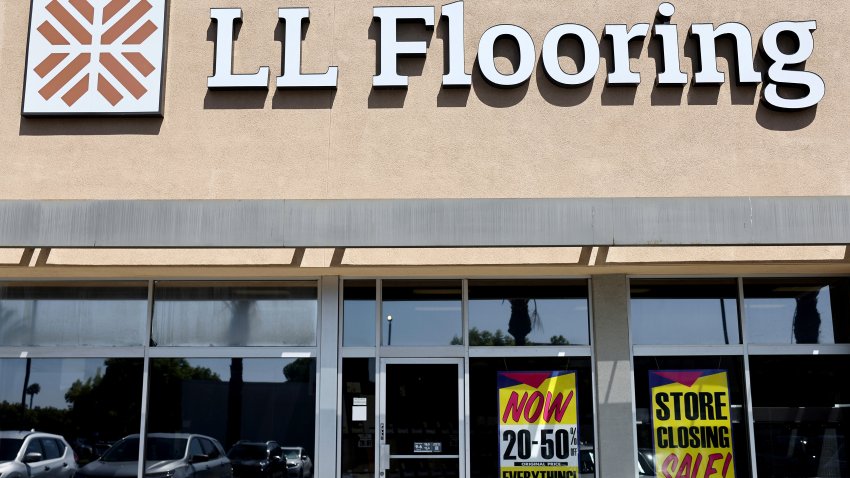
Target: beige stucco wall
534 141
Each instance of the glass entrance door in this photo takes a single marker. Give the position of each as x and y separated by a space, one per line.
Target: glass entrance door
421 418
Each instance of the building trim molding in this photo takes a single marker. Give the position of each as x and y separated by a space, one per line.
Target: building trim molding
426 222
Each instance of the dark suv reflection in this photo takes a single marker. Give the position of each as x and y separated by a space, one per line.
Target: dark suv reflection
257 460
167 455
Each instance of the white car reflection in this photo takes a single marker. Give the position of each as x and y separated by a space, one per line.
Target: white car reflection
35 455
167 455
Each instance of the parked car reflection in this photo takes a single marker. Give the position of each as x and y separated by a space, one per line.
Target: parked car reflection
167 455
257 460
298 464
35 455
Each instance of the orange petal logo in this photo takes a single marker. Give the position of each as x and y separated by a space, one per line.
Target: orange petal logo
95 57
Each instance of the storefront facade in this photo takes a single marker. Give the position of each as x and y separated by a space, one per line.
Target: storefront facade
372 235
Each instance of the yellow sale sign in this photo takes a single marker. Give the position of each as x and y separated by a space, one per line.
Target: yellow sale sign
691 424
538 424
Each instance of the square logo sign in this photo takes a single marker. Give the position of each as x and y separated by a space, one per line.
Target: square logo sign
95 57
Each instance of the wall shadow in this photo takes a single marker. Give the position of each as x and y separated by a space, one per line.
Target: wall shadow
725 47
499 97
784 120
293 98
662 95
248 99
237 99
412 65
310 99
618 95
83 126
558 95
449 97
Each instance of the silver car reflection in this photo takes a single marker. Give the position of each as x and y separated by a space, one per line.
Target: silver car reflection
35 455
167 455
298 464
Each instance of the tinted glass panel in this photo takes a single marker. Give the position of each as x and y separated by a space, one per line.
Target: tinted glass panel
235 313
797 311
484 409
443 468
229 400
51 450
801 410
359 312
9 448
73 314
412 387
90 402
358 418
35 447
543 312
684 312
195 447
421 312
735 379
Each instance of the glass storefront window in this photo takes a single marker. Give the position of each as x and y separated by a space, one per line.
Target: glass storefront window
235 314
684 312
484 408
528 312
358 418
801 415
230 400
73 314
797 311
91 402
421 312
694 412
359 309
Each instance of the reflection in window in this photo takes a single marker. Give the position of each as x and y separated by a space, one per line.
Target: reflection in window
235 399
235 313
735 379
359 311
73 314
484 408
801 414
530 312
425 312
358 418
684 312
90 402
797 311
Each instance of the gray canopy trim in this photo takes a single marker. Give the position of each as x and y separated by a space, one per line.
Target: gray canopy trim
427 223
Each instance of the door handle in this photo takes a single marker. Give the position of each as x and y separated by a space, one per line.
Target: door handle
385 458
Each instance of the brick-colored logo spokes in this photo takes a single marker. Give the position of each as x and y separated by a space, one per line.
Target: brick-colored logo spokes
80 49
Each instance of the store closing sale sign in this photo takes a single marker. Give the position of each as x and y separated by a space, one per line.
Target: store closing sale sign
691 424
538 424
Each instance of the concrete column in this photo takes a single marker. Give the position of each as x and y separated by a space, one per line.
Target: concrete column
615 443
325 461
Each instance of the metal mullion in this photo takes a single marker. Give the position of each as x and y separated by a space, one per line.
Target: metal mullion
519 352
143 425
795 349
448 351
632 354
748 393
339 358
690 350
379 376
229 352
358 352
72 352
591 327
465 464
